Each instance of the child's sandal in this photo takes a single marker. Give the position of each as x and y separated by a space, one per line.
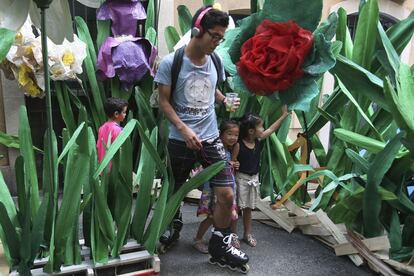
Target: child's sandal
235 241
200 246
250 240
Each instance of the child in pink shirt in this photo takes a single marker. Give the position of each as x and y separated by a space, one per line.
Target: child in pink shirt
115 109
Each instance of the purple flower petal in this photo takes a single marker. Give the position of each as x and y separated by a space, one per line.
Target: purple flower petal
127 57
124 16
105 66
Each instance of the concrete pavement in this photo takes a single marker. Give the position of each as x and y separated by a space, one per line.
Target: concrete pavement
277 253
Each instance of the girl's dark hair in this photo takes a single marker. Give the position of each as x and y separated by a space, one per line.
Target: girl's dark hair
247 122
228 124
113 105
211 19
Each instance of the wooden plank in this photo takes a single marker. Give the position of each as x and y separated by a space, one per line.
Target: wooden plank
374 263
306 220
314 230
4 267
411 261
295 208
337 234
276 216
328 240
409 270
130 246
85 266
373 244
258 215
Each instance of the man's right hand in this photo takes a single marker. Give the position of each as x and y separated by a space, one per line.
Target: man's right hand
191 139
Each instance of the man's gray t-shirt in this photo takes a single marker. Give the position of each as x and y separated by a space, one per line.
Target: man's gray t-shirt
194 96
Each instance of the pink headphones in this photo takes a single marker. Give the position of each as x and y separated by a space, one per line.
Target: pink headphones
197 30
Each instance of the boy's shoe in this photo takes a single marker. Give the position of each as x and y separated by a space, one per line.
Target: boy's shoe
200 246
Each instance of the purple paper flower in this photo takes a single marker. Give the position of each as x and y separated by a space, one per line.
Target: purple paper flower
130 58
124 15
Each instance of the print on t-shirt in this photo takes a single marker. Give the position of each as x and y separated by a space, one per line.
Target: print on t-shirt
197 91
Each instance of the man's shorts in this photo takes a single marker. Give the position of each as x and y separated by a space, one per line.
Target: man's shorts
183 159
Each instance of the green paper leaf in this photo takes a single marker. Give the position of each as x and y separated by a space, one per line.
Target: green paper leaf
6 41
151 35
366 34
299 96
360 81
376 172
400 33
305 13
184 18
171 37
150 21
322 58
328 27
223 51
343 35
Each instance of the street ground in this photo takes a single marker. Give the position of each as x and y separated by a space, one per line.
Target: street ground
277 253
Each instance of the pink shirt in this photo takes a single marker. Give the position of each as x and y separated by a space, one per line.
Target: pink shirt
103 135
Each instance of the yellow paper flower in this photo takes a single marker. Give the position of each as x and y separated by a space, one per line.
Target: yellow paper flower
26 80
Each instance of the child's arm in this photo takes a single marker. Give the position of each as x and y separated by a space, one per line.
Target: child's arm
234 155
275 125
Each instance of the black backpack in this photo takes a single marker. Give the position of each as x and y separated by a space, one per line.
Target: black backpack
178 61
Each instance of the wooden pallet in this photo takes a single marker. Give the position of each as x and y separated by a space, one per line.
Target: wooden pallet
337 236
133 260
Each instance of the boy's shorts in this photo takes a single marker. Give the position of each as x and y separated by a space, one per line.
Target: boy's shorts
183 159
248 190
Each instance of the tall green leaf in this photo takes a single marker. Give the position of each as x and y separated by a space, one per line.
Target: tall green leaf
171 37
372 199
175 200
7 201
26 150
184 18
342 34
157 219
9 236
359 140
123 197
7 39
89 63
366 33
75 175
145 176
360 81
400 33
361 112
150 22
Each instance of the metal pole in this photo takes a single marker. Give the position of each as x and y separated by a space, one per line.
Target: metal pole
48 96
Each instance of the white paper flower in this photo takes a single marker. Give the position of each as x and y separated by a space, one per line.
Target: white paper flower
67 59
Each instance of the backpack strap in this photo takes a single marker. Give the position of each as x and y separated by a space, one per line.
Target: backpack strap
219 67
178 61
176 67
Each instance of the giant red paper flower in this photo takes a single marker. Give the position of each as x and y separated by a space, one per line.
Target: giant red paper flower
271 60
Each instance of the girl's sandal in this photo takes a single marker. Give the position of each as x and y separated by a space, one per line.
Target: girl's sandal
250 240
235 241
200 246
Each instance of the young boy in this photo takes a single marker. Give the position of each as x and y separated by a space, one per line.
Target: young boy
115 109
